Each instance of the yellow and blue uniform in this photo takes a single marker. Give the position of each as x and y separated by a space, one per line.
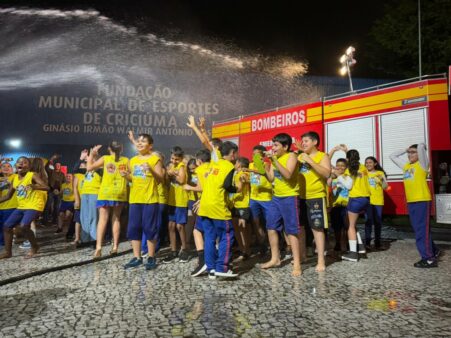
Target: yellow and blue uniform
216 216
418 198
144 216
374 211
359 194
340 198
313 192
201 173
68 197
7 207
283 213
241 200
113 189
261 195
178 198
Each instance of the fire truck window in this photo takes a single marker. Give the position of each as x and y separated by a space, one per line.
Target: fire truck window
355 133
398 131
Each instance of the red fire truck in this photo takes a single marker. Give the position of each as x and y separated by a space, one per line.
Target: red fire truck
376 121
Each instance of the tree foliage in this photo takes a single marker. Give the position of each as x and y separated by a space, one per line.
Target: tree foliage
393 44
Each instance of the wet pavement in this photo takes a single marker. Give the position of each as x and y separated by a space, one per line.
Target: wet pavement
381 296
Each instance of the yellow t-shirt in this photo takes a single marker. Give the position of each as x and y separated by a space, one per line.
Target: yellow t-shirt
261 188
193 195
311 184
377 193
340 195
80 178
361 185
162 193
113 186
144 186
214 201
202 172
178 197
67 191
91 183
4 188
283 187
242 198
27 199
415 183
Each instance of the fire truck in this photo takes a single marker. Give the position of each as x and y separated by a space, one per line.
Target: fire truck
376 121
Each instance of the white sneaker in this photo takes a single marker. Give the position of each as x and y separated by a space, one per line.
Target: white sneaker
228 274
25 245
212 274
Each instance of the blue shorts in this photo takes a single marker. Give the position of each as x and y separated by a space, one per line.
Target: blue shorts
143 218
190 204
65 206
108 204
259 209
77 216
22 217
179 215
358 204
283 214
198 225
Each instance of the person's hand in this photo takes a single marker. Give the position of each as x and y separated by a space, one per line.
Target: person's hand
305 158
191 122
344 147
298 144
95 149
244 178
76 205
84 154
124 172
196 206
131 136
202 123
54 157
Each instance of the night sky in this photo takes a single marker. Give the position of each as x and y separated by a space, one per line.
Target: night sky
315 31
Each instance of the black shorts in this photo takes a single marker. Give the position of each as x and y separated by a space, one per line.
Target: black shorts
242 213
313 213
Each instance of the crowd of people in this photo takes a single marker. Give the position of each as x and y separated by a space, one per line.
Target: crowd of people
284 198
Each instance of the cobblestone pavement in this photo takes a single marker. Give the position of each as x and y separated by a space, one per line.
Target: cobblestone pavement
381 296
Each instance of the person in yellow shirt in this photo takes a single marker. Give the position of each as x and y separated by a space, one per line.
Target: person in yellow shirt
378 183
178 205
6 208
29 206
359 200
283 212
79 176
241 211
340 186
66 209
418 196
144 172
314 170
215 214
261 195
113 192
203 157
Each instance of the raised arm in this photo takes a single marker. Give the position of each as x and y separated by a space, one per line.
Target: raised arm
423 156
289 170
397 159
91 164
204 140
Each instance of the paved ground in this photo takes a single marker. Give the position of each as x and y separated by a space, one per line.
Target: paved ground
381 296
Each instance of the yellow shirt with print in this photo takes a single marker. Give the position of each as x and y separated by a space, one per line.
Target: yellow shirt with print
67 192
113 186
377 193
144 188
415 183
178 197
214 201
5 183
311 184
242 198
261 188
361 185
282 186
91 183
27 198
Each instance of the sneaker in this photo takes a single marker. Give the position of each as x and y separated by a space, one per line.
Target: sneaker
350 256
144 254
25 245
199 270
361 248
183 256
228 274
424 263
212 274
170 258
133 263
151 263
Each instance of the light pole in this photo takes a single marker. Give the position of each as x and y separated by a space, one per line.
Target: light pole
347 61
419 39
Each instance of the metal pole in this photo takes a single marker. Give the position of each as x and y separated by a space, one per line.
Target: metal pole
419 39
349 75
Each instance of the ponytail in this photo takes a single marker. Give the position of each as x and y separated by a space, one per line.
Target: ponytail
353 162
116 148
